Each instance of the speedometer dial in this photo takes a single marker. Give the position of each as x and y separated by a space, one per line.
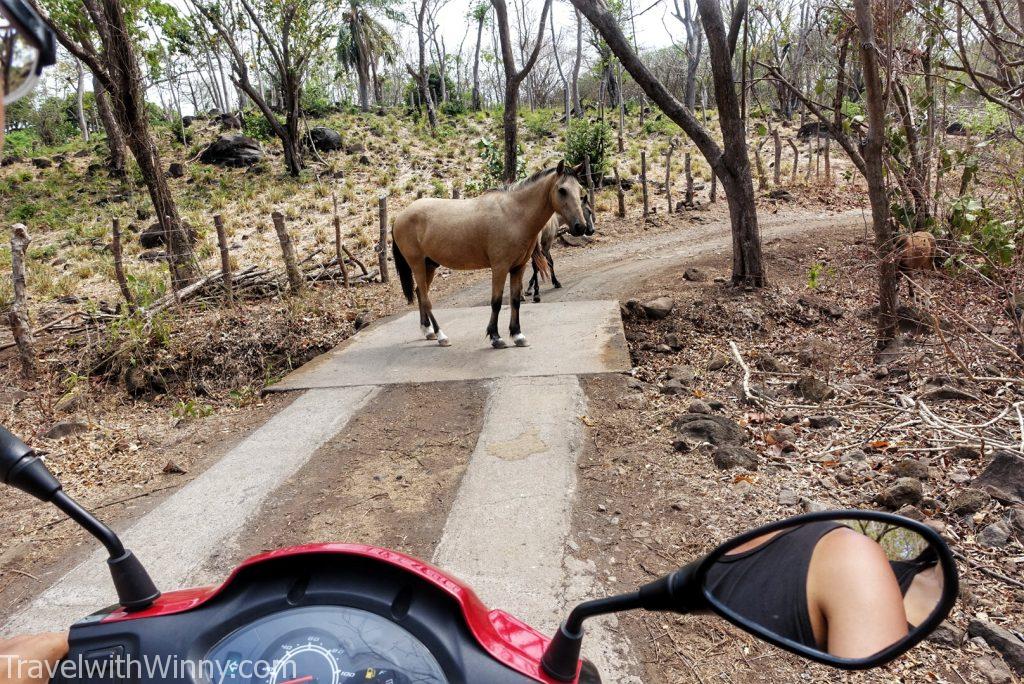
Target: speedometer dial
322 645
306 657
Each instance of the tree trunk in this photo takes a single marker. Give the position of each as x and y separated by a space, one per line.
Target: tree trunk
83 124
18 317
577 106
129 104
115 139
874 173
424 80
730 165
513 79
475 97
296 283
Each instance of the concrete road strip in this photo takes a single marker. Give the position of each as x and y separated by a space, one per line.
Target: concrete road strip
508 531
568 338
179 535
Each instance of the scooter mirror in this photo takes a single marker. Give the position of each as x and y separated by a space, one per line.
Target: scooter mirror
851 589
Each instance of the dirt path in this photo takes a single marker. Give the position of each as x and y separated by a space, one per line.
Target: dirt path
608 271
387 466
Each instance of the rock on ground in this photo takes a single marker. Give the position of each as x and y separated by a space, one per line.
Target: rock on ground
237 150
324 139
1003 477
969 501
659 308
700 427
1002 640
906 490
813 389
731 456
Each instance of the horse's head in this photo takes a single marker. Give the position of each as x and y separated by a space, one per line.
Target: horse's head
567 199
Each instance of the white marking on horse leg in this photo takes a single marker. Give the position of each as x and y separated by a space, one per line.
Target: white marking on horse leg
520 340
428 332
442 339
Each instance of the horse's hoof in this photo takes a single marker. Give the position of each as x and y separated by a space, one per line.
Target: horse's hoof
427 332
431 336
557 285
536 300
498 343
443 341
520 340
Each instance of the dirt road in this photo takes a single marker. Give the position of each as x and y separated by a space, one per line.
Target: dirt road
437 469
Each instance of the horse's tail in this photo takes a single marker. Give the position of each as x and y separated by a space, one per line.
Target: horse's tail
540 263
404 271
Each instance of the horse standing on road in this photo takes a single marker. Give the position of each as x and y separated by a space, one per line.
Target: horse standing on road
497 230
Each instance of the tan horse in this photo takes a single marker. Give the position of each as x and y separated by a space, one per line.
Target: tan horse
497 230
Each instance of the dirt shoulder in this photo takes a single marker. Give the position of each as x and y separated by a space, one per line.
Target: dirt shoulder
650 503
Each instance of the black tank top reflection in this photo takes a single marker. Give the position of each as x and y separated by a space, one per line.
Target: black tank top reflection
768 585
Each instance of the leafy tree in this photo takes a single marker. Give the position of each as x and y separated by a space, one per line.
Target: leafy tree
363 42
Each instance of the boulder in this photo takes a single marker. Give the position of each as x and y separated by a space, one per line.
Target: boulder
701 427
768 363
65 429
230 122
1003 477
657 309
813 129
698 406
906 490
153 236
992 670
813 389
956 128
995 535
718 361
910 467
1002 640
324 139
176 170
818 422
969 501
964 453
233 151
817 352
732 456
695 275
684 374
947 635
42 163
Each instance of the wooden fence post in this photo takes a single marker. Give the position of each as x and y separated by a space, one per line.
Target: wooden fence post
225 261
122 281
621 195
643 181
382 247
291 265
668 174
456 192
777 178
20 325
762 179
590 180
796 160
338 254
713 195
689 181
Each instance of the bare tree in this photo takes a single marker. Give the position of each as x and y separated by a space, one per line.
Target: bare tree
694 48
513 79
479 14
729 163
116 67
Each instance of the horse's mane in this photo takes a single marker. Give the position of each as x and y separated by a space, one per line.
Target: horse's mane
543 173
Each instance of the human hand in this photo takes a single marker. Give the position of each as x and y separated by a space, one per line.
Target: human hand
31 658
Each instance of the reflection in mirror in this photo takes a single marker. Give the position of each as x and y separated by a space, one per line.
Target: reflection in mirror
845 588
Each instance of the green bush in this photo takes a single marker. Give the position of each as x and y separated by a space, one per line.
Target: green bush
20 143
976 227
493 154
584 138
316 102
256 126
456 106
51 122
539 123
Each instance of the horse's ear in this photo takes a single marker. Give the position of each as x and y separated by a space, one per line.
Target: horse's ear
561 167
580 170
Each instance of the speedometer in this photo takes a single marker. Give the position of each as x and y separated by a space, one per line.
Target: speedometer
322 645
306 656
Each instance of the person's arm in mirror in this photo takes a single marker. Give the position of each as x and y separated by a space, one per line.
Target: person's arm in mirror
30 659
853 596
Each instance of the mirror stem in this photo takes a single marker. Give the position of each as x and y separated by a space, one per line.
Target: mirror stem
562 657
22 469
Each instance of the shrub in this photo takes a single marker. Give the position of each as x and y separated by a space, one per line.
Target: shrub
256 126
588 138
538 123
976 226
456 106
